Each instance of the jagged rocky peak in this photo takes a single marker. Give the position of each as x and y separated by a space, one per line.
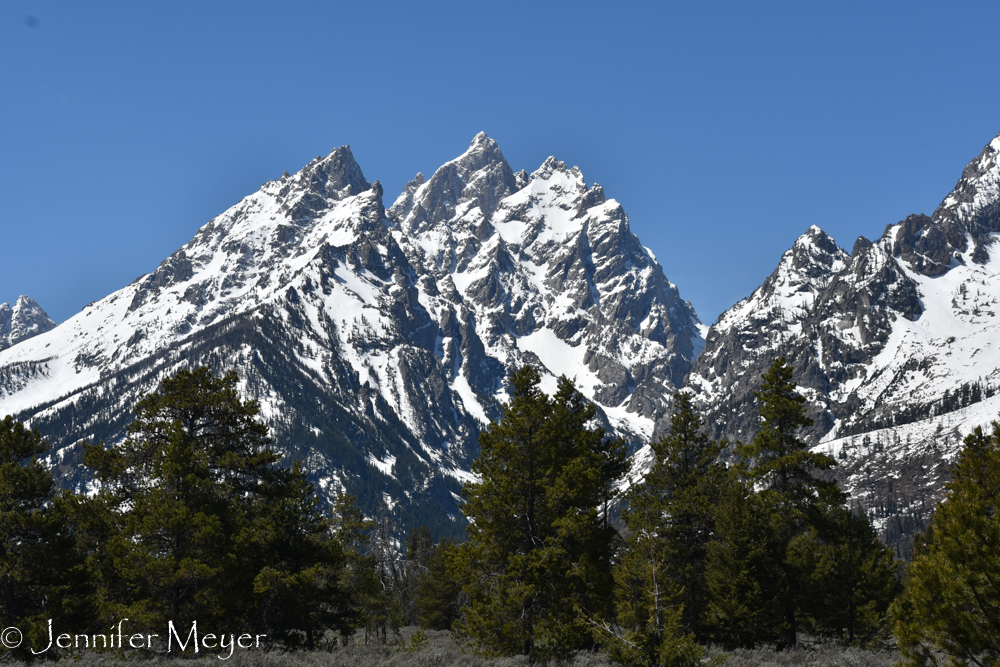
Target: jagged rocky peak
25 320
805 270
336 176
379 342
325 180
774 321
816 253
249 250
466 189
974 198
853 322
969 214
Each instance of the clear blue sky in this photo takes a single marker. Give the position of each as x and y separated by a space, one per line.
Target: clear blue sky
725 129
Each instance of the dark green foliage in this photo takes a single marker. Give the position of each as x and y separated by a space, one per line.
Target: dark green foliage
428 594
537 563
264 350
778 460
951 605
786 540
42 575
298 565
850 578
659 580
438 594
648 627
745 574
677 505
179 488
195 522
383 607
366 598
357 579
419 546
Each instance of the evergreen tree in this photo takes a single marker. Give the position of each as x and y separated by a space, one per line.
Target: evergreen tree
677 503
777 466
42 575
744 572
419 547
358 579
301 565
200 524
670 518
366 599
851 579
438 594
383 607
951 604
648 610
537 563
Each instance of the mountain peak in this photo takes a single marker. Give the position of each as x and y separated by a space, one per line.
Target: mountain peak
482 152
477 179
25 320
816 238
378 344
482 139
335 176
972 208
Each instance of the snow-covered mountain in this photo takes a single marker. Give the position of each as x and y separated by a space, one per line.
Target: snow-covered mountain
24 320
550 273
378 342
899 332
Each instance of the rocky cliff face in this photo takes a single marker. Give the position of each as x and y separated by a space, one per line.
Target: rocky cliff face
24 320
378 342
898 333
550 273
774 321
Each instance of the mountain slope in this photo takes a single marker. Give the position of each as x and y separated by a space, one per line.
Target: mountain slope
898 332
378 342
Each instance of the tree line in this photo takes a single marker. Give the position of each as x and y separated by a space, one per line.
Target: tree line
757 549
192 521
736 544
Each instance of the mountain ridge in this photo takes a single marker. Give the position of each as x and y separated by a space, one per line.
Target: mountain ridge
378 342
884 337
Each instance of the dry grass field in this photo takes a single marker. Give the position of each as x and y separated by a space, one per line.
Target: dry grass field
441 649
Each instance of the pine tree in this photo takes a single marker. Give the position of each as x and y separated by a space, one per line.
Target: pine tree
300 565
777 466
438 595
42 575
364 600
744 572
660 589
951 604
419 547
537 563
358 579
383 607
851 579
649 628
200 524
